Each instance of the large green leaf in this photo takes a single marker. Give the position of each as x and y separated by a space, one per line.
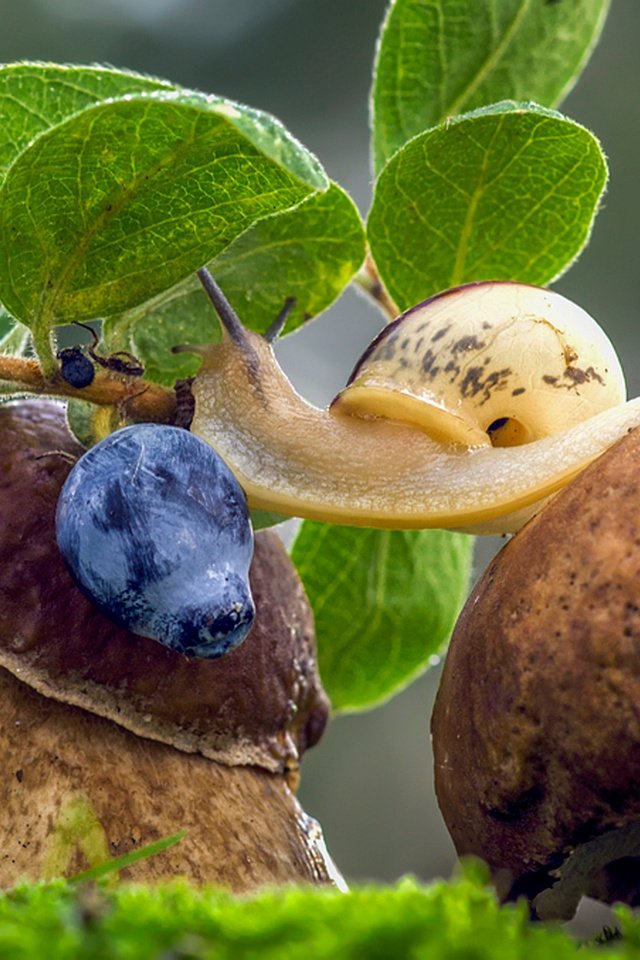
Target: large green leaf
439 58
384 602
129 196
36 96
508 192
310 253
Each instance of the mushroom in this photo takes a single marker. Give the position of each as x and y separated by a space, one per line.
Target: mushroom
536 726
111 741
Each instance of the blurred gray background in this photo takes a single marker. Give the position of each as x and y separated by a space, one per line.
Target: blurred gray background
369 781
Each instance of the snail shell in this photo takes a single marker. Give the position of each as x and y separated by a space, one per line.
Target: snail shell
521 391
488 363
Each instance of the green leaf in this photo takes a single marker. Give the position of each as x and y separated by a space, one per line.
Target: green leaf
80 421
36 96
15 339
128 197
262 519
180 315
384 602
439 58
504 193
7 323
310 253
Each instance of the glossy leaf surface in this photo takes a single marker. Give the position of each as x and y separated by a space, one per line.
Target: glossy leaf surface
440 58
310 253
508 192
37 96
129 196
384 603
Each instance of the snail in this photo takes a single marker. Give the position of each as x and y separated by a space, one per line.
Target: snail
467 412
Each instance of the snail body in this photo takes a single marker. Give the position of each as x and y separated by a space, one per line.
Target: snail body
419 456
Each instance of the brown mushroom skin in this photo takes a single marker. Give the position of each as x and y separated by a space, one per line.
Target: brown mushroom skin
162 743
78 789
263 703
536 726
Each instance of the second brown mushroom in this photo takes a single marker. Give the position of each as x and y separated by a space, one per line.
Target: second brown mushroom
536 727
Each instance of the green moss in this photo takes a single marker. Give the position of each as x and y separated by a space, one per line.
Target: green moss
460 920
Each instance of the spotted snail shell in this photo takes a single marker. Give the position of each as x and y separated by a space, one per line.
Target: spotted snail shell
500 363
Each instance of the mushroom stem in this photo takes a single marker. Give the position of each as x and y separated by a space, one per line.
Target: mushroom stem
78 786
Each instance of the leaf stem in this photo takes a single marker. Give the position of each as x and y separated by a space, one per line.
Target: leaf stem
143 400
368 279
44 351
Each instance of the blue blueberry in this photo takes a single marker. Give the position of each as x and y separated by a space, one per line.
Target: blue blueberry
155 531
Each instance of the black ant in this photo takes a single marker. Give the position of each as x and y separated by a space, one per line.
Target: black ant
77 369
121 362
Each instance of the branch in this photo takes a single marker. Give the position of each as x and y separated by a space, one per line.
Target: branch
368 279
144 401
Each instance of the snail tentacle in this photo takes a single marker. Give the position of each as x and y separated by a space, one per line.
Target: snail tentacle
272 332
229 319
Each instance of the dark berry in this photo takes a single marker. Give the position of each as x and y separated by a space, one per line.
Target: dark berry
76 369
155 530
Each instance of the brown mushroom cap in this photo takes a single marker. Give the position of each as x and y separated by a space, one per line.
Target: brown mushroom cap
536 726
261 704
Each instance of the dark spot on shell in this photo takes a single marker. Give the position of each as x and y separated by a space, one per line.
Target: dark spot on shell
475 382
577 376
387 348
472 382
439 334
573 377
518 391
429 364
470 342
